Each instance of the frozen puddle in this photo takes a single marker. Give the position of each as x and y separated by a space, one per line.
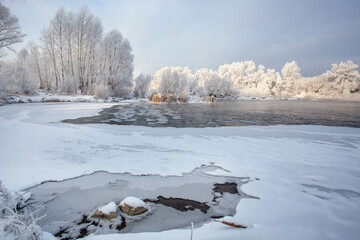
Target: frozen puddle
175 201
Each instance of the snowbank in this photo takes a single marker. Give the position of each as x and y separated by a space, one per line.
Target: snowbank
43 97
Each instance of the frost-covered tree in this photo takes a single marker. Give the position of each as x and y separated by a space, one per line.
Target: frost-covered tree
249 79
221 87
88 34
241 73
141 85
23 78
344 77
172 81
72 42
227 88
212 85
268 84
35 63
10 31
235 71
202 75
8 70
290 74
79 59
117 63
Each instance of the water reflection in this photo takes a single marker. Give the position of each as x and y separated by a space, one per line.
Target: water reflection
231 113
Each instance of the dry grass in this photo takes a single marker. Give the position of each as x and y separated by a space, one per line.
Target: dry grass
168 98
157 98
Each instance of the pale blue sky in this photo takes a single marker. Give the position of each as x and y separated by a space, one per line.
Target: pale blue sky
209 33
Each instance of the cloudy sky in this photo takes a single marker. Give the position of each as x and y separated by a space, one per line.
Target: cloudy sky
209 33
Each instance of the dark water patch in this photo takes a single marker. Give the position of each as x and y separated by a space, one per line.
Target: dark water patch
181 204
229 187
230 113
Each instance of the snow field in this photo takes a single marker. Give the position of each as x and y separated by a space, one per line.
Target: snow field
307 177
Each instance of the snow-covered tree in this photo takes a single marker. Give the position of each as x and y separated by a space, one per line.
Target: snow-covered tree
35 63
235 71
249 79
202 75
344 77
213 84
141 85
78 59
172 81
290 74
269 82
8 70
23 77
117 63
10 32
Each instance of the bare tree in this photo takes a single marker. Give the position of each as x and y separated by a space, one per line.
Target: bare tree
10 32
35 63
118 63
141 85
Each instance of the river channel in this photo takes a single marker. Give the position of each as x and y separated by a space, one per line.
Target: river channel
230 113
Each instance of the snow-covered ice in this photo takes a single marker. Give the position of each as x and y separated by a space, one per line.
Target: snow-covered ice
307 177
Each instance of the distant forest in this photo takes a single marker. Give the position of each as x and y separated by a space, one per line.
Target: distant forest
74 56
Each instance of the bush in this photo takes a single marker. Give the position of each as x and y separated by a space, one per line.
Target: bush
15 221
102 91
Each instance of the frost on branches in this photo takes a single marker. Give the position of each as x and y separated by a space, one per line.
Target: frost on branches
72 57
15 221
141 85
247 79
172 81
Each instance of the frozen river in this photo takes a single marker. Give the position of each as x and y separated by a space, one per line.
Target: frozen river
306 178
231 113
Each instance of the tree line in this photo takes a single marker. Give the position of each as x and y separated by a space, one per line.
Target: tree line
74 56
246 79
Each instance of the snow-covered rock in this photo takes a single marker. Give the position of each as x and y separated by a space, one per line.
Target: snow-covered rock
133 206
106 212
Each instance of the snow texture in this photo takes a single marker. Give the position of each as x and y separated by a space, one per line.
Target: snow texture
133 202
108 208
307 177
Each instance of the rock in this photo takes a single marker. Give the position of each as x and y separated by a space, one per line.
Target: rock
106 212
133 206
